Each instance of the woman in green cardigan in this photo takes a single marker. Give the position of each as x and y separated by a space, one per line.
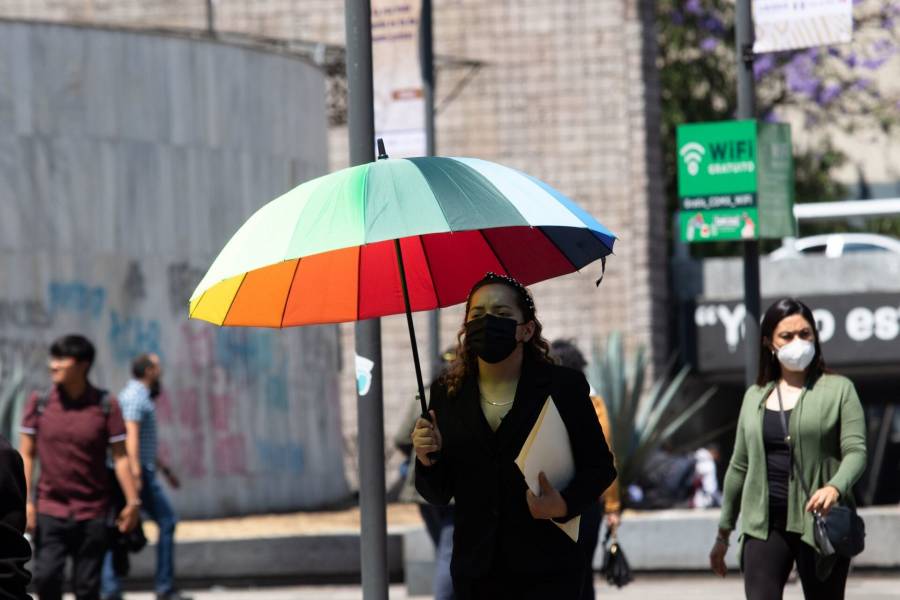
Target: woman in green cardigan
827 433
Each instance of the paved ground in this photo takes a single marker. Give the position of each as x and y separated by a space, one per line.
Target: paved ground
860 587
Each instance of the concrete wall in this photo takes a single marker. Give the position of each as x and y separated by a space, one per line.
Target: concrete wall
673 540
126 162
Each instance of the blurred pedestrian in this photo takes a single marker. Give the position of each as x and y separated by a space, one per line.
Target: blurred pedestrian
567 354
69 430
139 409
706 480
826 448
15 551
481 412
438 519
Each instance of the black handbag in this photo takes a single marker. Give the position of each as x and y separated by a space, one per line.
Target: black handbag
615 565
842 531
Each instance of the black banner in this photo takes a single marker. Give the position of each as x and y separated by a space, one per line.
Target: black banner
855 330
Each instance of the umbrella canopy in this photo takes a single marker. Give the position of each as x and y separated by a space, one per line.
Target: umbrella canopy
325 252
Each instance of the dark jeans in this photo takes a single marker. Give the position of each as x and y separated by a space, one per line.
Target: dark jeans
767 565
155 503
84 541
439 523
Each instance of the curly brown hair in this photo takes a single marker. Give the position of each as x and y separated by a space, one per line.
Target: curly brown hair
536 349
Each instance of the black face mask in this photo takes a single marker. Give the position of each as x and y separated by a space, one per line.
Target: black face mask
491 338
155 389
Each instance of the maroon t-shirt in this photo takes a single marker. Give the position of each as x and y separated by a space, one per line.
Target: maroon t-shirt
72 437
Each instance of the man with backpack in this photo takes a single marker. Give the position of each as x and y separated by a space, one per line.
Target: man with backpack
69 429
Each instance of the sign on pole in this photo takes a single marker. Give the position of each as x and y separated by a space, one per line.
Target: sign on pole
397 77
791 24
735 181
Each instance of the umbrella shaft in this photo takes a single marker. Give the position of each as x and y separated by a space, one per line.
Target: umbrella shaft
411 327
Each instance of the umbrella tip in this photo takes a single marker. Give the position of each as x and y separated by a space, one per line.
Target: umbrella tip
382 153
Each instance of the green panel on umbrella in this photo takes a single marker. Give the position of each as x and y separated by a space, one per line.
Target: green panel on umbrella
467 199
333 215
399 203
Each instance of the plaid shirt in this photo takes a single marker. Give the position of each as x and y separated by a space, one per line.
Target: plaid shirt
137 406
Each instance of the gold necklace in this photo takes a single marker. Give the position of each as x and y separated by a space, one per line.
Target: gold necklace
483 399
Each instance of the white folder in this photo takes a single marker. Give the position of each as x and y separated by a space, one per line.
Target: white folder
547 448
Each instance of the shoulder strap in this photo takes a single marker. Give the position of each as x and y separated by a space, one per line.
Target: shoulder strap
42 401
798 472
105 402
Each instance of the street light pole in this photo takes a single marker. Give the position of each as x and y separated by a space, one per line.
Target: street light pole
370 403
746 109
426 58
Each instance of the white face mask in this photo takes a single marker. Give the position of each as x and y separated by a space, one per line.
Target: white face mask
797 355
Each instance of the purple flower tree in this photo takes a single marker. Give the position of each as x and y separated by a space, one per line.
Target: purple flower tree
837 85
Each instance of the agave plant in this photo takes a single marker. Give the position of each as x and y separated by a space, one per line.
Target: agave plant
12 396
641 422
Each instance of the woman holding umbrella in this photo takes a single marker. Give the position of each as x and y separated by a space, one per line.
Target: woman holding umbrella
482 411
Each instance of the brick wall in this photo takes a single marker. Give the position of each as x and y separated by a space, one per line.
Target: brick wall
568 92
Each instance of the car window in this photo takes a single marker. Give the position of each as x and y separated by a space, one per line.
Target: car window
862 247
817 249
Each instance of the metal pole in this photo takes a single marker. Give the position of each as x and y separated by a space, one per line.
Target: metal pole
211 17
426 52
746 109
370 411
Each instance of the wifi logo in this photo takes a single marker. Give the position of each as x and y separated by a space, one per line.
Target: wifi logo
692 154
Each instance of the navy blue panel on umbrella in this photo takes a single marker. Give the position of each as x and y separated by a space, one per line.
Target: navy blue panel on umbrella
581 246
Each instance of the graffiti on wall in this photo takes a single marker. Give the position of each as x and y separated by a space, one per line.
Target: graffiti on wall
226 402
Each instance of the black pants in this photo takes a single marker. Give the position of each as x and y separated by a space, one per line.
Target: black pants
588 538
564 586
85 541
767 565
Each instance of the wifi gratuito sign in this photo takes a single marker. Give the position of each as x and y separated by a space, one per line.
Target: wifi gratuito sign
735 181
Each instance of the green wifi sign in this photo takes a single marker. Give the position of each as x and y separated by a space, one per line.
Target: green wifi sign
735 180
718 161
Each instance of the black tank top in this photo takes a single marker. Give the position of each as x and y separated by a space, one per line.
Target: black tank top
778 458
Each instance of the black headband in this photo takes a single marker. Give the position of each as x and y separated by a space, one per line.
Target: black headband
491 277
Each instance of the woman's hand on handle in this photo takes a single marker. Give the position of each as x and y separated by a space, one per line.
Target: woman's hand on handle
426 438
823 499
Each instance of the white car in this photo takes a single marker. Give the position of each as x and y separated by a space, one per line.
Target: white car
834 245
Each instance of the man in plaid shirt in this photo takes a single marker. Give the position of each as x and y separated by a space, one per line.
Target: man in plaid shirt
139 412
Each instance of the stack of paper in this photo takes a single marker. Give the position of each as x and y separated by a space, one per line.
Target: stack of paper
548 449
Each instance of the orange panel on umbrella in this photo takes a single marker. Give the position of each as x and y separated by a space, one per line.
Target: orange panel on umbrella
325 289
260 300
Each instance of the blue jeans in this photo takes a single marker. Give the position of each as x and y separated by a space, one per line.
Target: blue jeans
156 505
439 523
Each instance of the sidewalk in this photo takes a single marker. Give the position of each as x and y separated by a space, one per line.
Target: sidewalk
644 588
290 524
323 548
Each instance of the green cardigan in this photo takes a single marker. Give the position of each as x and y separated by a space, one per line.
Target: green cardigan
828 434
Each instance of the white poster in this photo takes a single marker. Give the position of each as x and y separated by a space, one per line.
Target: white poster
397 77
791 24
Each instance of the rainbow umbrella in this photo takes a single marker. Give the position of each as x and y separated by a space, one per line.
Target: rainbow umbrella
394 236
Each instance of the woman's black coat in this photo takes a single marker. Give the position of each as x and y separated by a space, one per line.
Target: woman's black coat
495 531
14 548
